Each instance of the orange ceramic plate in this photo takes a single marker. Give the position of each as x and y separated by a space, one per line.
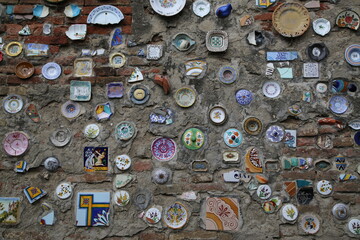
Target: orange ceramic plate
291 19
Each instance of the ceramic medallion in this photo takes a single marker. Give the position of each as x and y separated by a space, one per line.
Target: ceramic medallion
233 137
176 216
309 223
64 190
125 130
193 138
163 149
253 161
123 162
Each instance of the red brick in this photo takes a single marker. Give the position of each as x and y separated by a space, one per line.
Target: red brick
346 197
37 70
9 1
264 17
347 187
13 29
90 178
328 129
126 29
54 49
127 20
77 20
267 26
105 71
6 70
124 71
153 70
23 9
324 6
343 142
137 61
126 10
306 141
65 60
101 59
308 130
96 29
36 29
152 236
67 71
205 187
2 28
313 152
55 40
111 2
351 152
14 80
141 166
60 31
56 20
275 6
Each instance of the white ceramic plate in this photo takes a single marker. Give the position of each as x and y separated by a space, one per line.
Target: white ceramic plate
271 89
153 215
92 130
121 198
64 190
310 223
51 71
105 14
201 8
70 109
123 162
13 103
167 7
324 187
217 115
321 26
289 212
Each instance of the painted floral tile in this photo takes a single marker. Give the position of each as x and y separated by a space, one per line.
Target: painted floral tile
222 214
9 210
93 209
96 159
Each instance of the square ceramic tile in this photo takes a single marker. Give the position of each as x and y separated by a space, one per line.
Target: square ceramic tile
93 209
154 52
83 67
222 214
96 159
80 90
290 138
9 210
311 70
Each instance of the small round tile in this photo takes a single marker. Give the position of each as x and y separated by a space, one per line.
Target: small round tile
153 215
13 103
61 137
176 216
121 198
289 212
227 75
139 94
275 133
193 138
253 126
125 130
64 190
354 226
218 115
51 164
70 109
244 97
340 211
264 192
338 104
16 143
185 97
309 223
233 137
163 149
324 187
271 89
51 71
321 88
123 162
91 130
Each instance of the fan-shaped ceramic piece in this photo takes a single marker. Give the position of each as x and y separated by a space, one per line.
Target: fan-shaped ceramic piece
76 32
105 14
72 10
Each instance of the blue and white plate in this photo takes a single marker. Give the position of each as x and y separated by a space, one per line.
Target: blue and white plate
233 137
338 104
51 71
275 133
244 97
72 10
352 55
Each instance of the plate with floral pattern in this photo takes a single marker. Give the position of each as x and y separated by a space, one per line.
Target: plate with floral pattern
163 149
123 162
176 216
167 7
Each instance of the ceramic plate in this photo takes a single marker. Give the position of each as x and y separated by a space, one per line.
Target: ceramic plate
289 212
117 60
310 223
139 94
201 8
275 133
218 115
352 55
61 137
338 104
264 192
321 88
163 149
321 26
70 109
317 51
353 226
153 215
123 162
233 137
324 187
105 14
121 198
115 90
193 138
16 143
80 90
91 131
51 71
227 75
185 97
340 211
291 19
349 19
13 49
125 130
64 190
271 89
183 42
244 97
167 7
176 216
253 126
24 70
13 103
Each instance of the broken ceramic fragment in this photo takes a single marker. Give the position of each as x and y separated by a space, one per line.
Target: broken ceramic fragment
269 69
315 4
96 159
104 15
340 163
217 41
322 164
271 205
255 38
121 180
223 10
193 138
10 210
253 160
80 90
321 26
290 138
154 52
264 3
16 143
83 67
162 116
182 42
262 179
40 11
294 110
306 97
164 82
347 177
348 19
48 218
25 31
21 166
305 195
47 28
281 56
201 8
103 111
76 32
285 73
195 68
136 76
290 188
321 88
33 193
72 10
355 124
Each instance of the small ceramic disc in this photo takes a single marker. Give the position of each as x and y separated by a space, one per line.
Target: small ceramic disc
61 137
310 223
91 131
16 143
321 26
123 162
227 75
264 192
70 109
321 88
51 164
317 51
139 94
193 138
163 149
51 71
353 226
125 130
338 104
324 187
340 211
185 97
175 216
244 97
153 215
275 133
352 55
64 190
289 212
271 89
201 8
357 138
218 115
121 198
13 103
233 137
253 126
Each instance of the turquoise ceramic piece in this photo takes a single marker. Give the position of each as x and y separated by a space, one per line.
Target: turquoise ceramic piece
224 10
182 42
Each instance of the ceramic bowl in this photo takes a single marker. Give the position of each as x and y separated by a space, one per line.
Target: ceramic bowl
352 55
317 51
321 26
51 71
217 115
338 104
217 41
201 8
185 97
13 103
24 70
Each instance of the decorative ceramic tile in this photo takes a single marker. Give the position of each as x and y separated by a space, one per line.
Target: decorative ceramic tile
311 70
161 175
296 162
195 68
36 50
64 190
25 31
217 41
340 163
96 159
117 60
153 215
123 162
163 149
348 19
306 97
33 193
200 166
136 76
271 205
83 67
322 164
309 223
305 195
262 179
264 3
222 214
201 8
223 10
289 212
233 137
182 41
103 111
117 38
91 130
125 130
236 176
10 210
290 188
176 216
48 218
93 209
253 161
275 133
231 157
354 226
272 165
303 183
121 180
76 31
285 73
21 166
281 56
121 198
162 116
347 177
80 90
104 15
115 90
269 69
154 52
193 138
16 143
51 164
290 138
188 196
264 192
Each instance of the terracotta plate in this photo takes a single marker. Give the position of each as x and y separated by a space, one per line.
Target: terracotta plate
24 70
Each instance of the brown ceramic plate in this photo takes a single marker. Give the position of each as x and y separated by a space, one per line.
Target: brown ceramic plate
24 70
291 19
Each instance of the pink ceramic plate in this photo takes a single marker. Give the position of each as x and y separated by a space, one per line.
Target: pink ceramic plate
16 143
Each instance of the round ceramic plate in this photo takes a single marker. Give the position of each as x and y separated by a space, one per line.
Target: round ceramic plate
185 97
193 138
349 19
227 75
271 89
51 164
70 109
139 94
233 137
201 8
275 133
321 88
244 97
167 7
123 162
317 51
64 190
289 212
352 55
253 126
321 26
13 49
310 223
60 137
13 103
338 104
51 71
264 192
340 211
291 19
16 143
92 130
218 115
175 216
163 149
324 187
357 138
153 215
121 198
117 60
125 130
353 226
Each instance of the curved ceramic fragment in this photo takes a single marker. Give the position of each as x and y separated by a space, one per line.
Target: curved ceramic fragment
76 32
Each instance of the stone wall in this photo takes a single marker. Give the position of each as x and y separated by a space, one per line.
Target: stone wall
140 27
